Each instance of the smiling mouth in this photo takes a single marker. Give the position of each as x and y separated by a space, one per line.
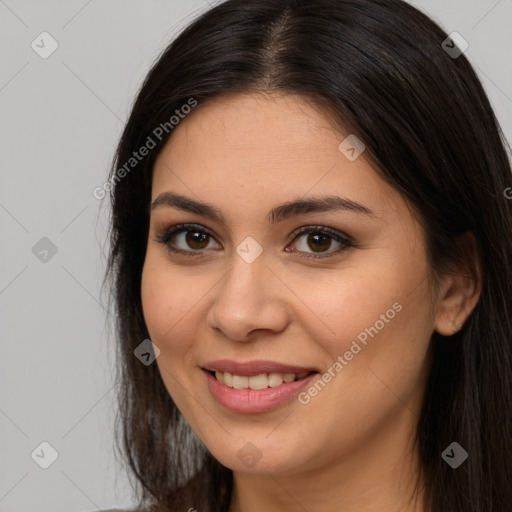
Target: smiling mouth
258 382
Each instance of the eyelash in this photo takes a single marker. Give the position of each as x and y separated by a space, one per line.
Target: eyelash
166 236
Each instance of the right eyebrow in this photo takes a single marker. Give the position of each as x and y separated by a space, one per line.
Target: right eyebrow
187 204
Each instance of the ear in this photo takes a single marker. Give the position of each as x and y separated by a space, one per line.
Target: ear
459 290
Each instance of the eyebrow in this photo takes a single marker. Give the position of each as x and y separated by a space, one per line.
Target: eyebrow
277 214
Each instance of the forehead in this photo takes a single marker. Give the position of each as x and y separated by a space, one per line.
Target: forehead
259 147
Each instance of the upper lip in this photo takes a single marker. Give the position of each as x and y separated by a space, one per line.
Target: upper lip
256 367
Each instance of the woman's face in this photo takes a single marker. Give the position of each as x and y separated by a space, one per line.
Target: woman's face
245 294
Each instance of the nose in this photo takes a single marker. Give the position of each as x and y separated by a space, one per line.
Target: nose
248 299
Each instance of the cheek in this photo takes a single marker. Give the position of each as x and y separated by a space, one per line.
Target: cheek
157 304
166 302
382 336
166 308
378 314
354 300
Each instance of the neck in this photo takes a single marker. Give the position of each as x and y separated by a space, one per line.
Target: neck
381 477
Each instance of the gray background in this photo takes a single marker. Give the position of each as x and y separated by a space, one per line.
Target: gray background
60 121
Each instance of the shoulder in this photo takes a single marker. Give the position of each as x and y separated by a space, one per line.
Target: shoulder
150 509
126 509
121 510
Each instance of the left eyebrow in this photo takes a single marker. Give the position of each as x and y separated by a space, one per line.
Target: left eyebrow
277 214
316 205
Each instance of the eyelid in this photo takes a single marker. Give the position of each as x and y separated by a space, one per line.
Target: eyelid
343 239
310 228
165 235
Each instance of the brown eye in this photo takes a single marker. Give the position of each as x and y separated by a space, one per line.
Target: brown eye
318 242
196 239
314 241
186 238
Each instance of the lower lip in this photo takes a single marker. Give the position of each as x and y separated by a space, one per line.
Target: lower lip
255 400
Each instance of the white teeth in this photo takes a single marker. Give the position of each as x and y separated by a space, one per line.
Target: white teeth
258 381
228 379
261 381
240 382
275 379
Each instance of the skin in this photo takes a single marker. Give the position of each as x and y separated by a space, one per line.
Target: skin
350 448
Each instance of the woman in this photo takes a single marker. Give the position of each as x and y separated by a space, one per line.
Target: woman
311 261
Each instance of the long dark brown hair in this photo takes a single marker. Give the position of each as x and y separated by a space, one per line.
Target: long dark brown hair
379 69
